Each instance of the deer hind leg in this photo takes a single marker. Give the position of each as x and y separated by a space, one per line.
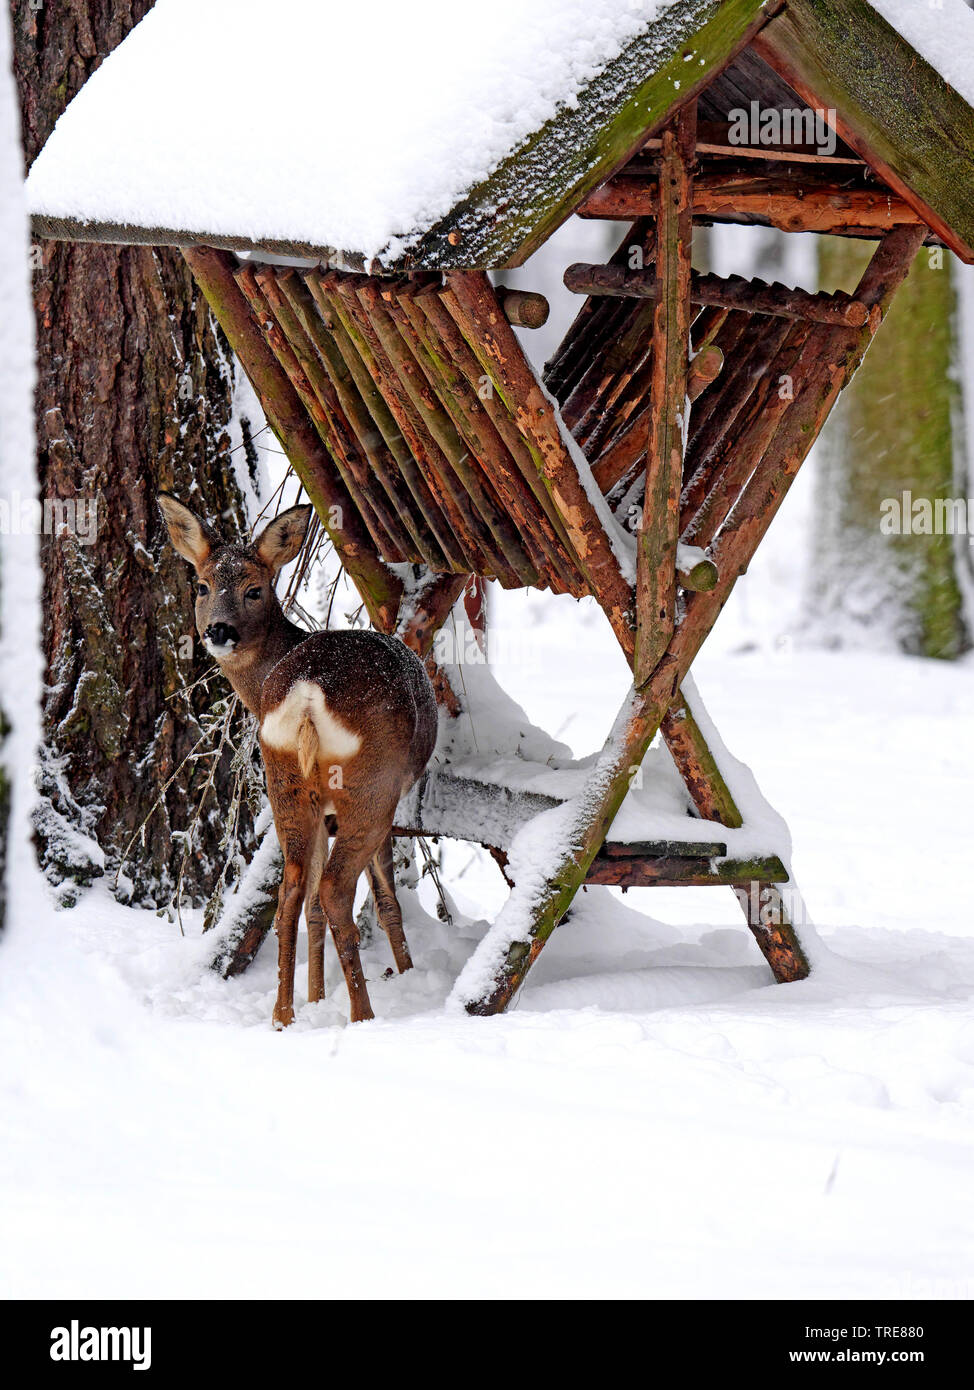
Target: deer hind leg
351 853
316 951
382 880
297 819
315 918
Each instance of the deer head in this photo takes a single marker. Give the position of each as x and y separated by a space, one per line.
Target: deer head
236 605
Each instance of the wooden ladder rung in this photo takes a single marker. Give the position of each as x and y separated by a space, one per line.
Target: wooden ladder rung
673 871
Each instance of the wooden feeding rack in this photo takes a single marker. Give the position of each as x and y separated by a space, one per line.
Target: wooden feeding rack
679 406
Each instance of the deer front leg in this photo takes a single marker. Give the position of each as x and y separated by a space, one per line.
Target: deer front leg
316 918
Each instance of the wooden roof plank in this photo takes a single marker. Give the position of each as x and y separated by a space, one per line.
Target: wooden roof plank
890 106
507 216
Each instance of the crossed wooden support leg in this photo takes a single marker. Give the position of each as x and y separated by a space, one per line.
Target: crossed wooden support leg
772 929
670 632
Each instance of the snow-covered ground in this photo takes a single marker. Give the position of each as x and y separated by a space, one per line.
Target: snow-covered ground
655 1117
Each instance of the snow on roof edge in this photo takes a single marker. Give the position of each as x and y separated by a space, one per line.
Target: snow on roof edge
380 182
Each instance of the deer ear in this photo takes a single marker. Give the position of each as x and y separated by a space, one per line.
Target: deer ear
282 538
187 533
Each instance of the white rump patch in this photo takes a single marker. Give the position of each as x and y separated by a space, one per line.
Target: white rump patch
305 700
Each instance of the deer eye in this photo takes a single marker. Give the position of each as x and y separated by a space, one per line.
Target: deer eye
202 590
253 593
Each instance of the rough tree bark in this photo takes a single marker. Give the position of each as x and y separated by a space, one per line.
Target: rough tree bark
134 394
897 429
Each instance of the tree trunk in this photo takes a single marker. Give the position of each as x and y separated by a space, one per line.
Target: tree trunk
19 619
896 430
134 394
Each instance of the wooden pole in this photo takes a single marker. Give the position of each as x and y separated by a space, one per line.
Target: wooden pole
461 356
576 350
346 388
358 342
506 956
474 489
523 308
380 588
658 532
295 354
730 292
471 301
486 446
721 472
771 925
617 463
770 201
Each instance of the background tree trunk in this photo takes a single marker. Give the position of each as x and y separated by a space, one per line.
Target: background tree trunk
898 427
134 394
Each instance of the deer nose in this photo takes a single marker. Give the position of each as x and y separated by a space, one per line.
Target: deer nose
221 635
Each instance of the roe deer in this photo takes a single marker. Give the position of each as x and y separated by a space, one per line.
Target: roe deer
347 724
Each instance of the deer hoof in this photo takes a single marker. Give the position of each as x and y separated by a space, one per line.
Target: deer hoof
282 1017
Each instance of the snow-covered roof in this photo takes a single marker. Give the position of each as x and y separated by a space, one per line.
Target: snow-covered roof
436 132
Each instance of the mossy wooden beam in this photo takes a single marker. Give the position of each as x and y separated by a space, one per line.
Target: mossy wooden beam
580 836
467 411
473 305
891 106
460 358
764 200
698 766
374 449
507 216
656 542
428 522
187 239
380 588
644 872
293 352
728 292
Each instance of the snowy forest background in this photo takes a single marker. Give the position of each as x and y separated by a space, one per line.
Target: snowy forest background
650 1072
